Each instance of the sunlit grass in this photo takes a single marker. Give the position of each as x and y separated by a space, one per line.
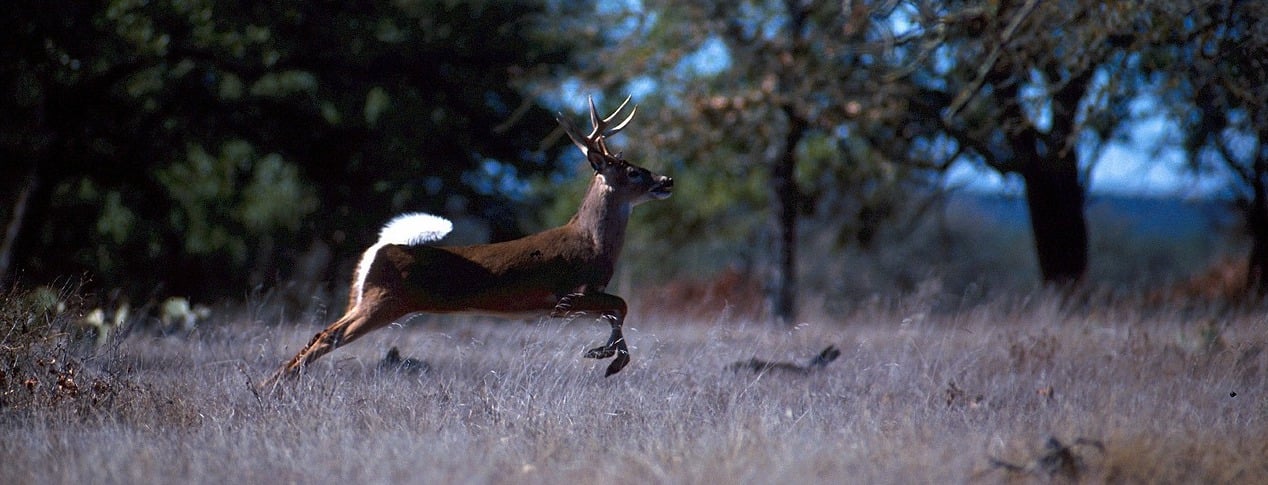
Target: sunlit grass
916 397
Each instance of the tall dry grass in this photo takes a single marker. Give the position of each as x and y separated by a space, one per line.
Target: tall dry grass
916 397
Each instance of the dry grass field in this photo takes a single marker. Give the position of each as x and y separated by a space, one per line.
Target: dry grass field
917 396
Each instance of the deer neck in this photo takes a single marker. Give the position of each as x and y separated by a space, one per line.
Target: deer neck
602 217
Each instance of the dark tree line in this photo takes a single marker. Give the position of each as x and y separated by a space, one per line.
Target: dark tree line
206 145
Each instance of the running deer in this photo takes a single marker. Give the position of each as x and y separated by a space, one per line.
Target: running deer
557 272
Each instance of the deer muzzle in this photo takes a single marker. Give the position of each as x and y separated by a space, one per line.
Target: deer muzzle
663 189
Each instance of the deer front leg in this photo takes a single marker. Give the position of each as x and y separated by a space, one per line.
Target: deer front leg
616 345
612 308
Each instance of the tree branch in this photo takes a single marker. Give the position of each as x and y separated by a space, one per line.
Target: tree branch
971 90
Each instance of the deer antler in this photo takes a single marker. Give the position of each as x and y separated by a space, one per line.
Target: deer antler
596 139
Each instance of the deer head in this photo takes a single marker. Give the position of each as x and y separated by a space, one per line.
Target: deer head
636 183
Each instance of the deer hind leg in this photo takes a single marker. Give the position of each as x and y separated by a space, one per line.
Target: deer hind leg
359 321
613 310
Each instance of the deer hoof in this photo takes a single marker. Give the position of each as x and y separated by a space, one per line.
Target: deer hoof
622 359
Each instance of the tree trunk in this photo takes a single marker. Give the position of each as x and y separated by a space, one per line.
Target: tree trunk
1054 196
14 228
785 199
1257 223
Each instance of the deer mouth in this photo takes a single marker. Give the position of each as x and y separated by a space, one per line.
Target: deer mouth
663 189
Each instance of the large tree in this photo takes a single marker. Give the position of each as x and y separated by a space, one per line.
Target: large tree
1033 88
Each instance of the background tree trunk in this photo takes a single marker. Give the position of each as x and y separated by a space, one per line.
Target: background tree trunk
1257 223
786 199
1055 199
13 229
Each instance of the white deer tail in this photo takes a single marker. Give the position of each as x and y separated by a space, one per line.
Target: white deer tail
406 229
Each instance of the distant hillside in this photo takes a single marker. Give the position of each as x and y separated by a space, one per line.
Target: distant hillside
1132 240
1143 216
1165 217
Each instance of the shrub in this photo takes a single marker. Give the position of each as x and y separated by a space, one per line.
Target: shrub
42 356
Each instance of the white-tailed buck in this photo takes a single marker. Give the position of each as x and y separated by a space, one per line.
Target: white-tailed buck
556 272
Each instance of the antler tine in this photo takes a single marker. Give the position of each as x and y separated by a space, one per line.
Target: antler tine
594 119
620 126
601 125
619 108
601 130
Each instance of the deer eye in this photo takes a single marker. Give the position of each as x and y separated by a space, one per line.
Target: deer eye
633 173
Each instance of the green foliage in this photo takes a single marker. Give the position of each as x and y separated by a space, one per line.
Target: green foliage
222 140
233 192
